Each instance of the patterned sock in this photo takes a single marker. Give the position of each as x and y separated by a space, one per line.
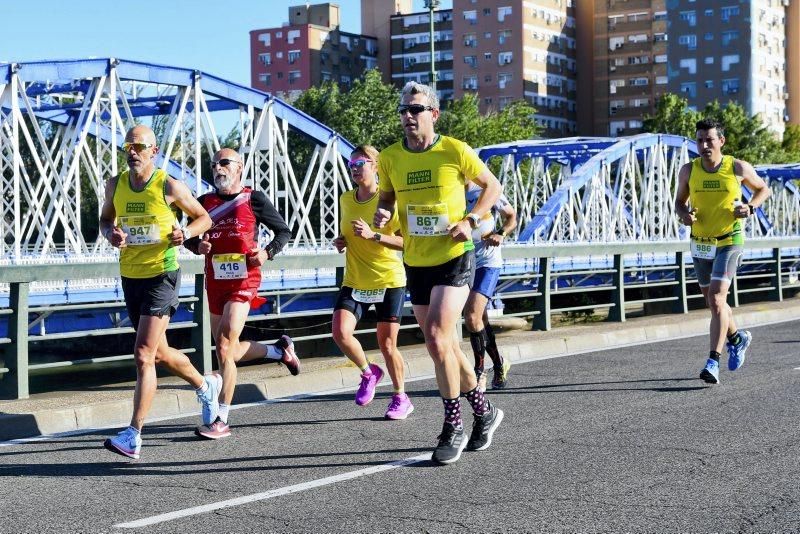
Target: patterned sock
491 348
714 355
478 341
452 412
735 338
223 412
477 399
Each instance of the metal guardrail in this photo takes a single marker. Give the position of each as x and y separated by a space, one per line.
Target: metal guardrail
769 281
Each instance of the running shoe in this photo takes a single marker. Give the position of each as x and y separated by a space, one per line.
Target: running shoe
736 352
400 407
289 359
126 443
483 429
210 398
369 380
710 372
451 443
215 430
500 374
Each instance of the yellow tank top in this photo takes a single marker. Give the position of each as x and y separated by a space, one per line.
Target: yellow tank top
369 265
147 219
712 194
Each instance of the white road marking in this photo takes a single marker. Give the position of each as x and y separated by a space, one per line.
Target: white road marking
279 492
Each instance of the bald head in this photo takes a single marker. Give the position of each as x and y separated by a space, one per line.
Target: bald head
140 150
140 134
226 166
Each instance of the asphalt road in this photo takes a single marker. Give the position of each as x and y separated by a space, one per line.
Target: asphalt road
626 440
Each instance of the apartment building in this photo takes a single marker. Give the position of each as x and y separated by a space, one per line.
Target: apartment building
411 50
308 50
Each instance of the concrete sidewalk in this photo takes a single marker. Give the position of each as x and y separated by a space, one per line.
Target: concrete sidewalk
109 406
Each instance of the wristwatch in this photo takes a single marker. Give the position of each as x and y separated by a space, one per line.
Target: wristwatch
474 219
751 208
376 237
501 233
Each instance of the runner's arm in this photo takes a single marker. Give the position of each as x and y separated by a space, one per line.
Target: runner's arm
754 183
682 196
267 215
177 193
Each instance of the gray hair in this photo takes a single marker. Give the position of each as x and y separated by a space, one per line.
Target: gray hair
414 88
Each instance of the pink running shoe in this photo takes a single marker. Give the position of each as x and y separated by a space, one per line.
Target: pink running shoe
369 380
400 407
215 430
290 359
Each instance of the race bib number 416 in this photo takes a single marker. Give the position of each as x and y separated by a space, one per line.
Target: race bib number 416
426 221
229 266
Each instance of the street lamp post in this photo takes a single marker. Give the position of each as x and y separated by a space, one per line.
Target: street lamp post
431 5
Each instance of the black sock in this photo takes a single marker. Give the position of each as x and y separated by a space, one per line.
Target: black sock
734 338
478 341
714 355
491 348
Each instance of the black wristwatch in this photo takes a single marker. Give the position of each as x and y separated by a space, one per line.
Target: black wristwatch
751 208
376 237
501 233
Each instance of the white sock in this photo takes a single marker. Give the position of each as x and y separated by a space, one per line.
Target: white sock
274 353
223 412
134 430
203 388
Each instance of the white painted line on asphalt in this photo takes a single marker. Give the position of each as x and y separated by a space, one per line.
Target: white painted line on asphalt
279 492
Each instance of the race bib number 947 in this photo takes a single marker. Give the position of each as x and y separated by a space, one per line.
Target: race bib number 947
141 230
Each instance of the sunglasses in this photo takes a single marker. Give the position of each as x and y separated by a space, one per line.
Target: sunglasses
138 147
357 163
224 162
414 109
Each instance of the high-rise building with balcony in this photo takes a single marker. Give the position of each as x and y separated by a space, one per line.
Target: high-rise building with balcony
308 50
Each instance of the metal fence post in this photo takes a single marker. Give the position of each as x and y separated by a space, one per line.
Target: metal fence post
18 387
733 293
542 320
777 257
201 334
682 303
617 312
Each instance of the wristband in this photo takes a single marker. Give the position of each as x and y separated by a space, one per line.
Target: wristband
751 208
186 233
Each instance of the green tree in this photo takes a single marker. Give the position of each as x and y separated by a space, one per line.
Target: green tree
462 120
672 116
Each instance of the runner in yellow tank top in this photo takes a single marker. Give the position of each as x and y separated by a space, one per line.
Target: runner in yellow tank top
373 274
138 219
425 174
708 200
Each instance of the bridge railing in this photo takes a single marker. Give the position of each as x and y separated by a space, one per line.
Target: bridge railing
620 274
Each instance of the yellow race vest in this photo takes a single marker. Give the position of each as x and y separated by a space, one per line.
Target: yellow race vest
147 219
712 194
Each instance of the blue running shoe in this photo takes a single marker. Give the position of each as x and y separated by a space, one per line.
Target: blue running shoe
126 443
210 398
710 372
736 352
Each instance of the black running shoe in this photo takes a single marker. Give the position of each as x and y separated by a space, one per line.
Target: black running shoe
451 442
483 428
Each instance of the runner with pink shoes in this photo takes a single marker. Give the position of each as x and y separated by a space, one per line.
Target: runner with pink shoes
373 274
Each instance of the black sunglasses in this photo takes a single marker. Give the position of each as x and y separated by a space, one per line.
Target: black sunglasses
224 162
414 109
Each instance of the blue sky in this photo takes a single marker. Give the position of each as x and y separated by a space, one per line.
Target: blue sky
171 32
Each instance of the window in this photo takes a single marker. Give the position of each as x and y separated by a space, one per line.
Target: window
615 42
487 78
709 84
503 79
487 35
472 61
640 102
471 16
730 86
660 37
487 56
505 101
503 12
729 60
292 35
293 56
487 11
689 89
264 38
660 15
504 58
729 36
265 59
325 75
708 36
661 80
470 82
690 17
640 81
487 101
690 41
728 12
660 58
503 36
690 64
709 60
294 75
279 55
344 79
634 124
470 40
709 13
265 78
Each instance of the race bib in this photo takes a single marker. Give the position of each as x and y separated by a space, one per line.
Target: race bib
229 266
427 221
704 248
141 230
369 296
